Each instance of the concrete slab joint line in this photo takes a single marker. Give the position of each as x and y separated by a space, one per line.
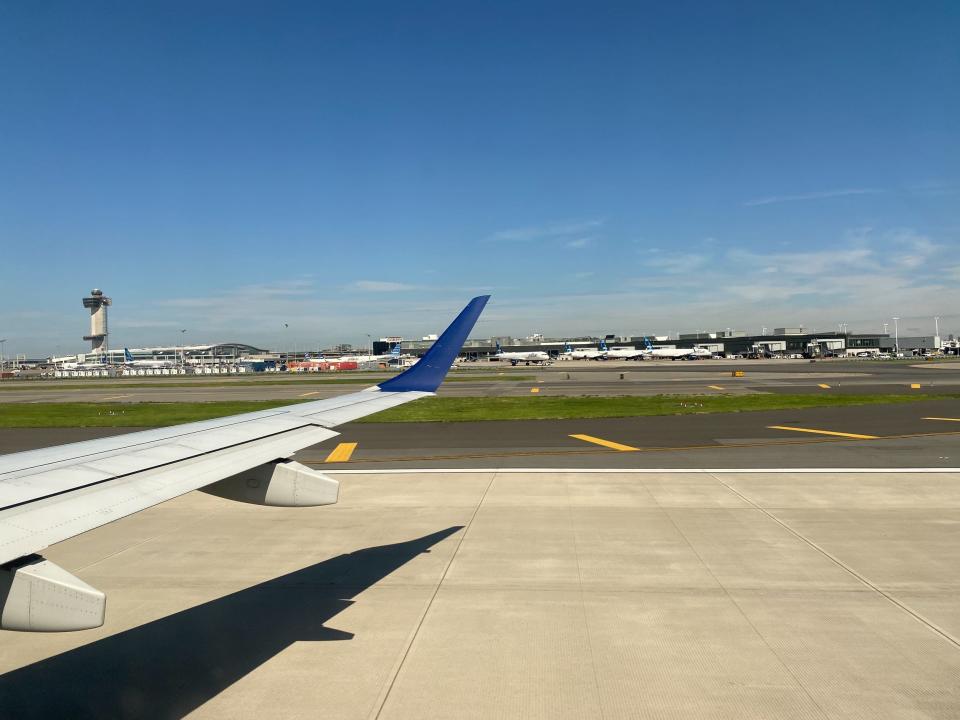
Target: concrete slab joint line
583 602
408 645
842 565
753 628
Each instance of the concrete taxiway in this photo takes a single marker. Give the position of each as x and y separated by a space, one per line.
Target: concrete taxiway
528 594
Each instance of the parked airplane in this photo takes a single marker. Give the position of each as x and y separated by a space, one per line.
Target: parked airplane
129 361
101 364
694 353
52 494
626 354
573 353
534 356
392 355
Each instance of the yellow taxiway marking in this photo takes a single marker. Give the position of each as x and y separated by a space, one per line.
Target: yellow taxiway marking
116 397
594 451
714 387
823 385
315 392
945 419
534 390
855 436
341 453
914 386
606 443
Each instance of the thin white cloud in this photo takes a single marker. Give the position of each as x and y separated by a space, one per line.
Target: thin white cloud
676 263
382 286
581 243
772 199
549 231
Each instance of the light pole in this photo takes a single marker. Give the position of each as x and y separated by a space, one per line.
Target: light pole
183 350
936 324
2 362
885 328
896 336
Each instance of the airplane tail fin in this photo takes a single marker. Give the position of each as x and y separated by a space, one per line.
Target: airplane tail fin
603 345
427 374
127 357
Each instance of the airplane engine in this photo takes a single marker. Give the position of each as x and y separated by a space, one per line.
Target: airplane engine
38 596
284 483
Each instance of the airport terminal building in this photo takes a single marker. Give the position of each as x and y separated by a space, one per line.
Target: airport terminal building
782 342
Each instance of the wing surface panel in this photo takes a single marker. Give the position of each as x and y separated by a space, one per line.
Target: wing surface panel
30 527
32 483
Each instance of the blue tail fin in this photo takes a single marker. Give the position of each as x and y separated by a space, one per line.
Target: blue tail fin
127 357
603 345
427 374
646 341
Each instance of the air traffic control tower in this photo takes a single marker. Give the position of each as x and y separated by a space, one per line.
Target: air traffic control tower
98 304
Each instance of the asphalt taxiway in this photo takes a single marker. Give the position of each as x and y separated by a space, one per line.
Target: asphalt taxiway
707 377
925 433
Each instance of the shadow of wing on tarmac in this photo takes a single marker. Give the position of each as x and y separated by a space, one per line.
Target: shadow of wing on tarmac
171 666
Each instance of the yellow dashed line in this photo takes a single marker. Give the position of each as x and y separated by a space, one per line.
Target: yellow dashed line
823 432
606 443
315 392
823 385
341 453
534 390
593 451
945 419
714 387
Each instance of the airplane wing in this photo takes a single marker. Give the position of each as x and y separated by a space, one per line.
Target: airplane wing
52 494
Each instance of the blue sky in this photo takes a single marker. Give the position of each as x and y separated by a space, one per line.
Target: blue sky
354 168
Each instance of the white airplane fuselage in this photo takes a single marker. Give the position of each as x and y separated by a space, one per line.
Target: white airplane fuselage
534 356
587 354
678 353
626 354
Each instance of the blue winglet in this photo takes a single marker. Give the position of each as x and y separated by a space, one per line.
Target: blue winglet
432 368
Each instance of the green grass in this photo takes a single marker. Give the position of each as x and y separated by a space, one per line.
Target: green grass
24 415
451 409
436 409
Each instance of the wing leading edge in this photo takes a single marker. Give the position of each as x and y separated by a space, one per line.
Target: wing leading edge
52 494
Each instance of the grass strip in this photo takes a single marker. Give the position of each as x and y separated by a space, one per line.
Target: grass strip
50 415
455 409
436 409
